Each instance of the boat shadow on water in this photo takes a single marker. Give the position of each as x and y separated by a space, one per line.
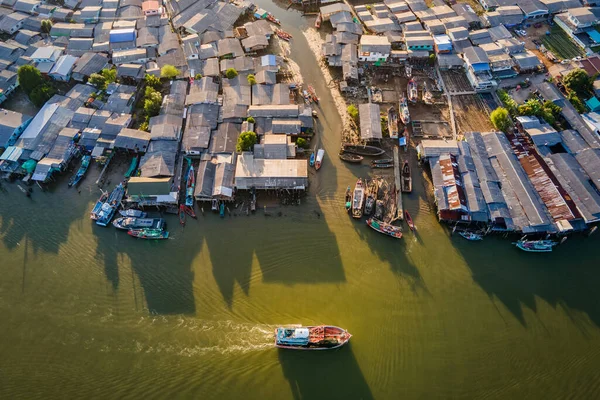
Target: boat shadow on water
328 374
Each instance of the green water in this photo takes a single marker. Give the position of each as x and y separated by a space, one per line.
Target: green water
88 312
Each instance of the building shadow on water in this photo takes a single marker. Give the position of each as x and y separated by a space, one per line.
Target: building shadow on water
566 278
333 374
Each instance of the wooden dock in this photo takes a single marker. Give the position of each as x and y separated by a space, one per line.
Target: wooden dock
398 186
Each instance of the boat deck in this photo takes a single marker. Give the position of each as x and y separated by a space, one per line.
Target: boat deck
398 176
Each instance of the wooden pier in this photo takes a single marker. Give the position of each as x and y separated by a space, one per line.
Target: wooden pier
398 186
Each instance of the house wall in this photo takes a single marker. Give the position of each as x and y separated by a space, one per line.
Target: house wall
8 91
569 32
372 56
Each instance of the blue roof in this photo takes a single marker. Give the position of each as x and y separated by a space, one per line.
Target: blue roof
122 35
593 103
594 35
269 59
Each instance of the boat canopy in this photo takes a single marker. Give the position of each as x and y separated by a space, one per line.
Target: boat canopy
298 336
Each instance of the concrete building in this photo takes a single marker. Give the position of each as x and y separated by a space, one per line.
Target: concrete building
374 48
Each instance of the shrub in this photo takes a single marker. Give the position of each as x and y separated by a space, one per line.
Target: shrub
246 141
198 76
301 142
579 82
169 72
46 26
152 81
576 101
109 74
152 103
231 73
98 80
250 120
500 120
251 80
29 78
353 112
41 94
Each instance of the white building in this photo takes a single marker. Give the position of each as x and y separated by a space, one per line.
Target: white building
374 48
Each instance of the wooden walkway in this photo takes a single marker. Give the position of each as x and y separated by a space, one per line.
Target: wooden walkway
398 186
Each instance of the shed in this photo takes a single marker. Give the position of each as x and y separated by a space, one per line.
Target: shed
370 121
132 139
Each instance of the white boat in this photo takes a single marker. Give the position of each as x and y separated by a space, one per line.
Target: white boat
404 114
470 235
319 160
413 93
358 198
536 246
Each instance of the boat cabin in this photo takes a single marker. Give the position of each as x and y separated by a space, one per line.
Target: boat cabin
293 337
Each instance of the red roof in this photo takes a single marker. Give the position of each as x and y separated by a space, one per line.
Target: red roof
591 65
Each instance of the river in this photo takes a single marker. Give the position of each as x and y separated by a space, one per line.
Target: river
88 312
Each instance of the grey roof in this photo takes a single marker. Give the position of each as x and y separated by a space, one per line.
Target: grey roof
168 40
204 90
211 36
205 180
202 115
25 36
230 47
147 36
274 111
277 94
82 117
527 60
589 159
572 141
166 127
370 121
266 77
224 139
255 42
195 138
531 6
132 139
475 55
9 122
90 63
135 71
159 159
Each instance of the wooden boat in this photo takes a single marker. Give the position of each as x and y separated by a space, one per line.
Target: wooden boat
311 162
383 161
370 204
536 246
388 165
315 115
189 210
182 215
283 35
318 21
313 94
403 140
323 337
385 228
409 221
319 160
408 69
190 184
406 178
271 18
139 223
307 97
98 206
392 123
351 158
412 91
222 210
132 167
379 209
348 199
358 198
214 206
404 113
85 163
132 212
109 208
148 234
371 151
427 95
470 235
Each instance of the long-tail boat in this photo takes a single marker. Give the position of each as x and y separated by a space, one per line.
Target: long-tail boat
148 233
85 163
358 198
385 228
406 178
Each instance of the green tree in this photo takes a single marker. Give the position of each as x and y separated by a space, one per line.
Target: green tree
353 112
531 107
109 74
301 142
576 101
152 103
98 80
231 73
499 118
41 94
198 76
250 120
509 103
46 26
548 116
246 141
251 80
579 82
169 72
144 126
149 91
431 59
152 81
29 78
553 108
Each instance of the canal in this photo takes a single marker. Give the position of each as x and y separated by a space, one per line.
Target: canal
88 312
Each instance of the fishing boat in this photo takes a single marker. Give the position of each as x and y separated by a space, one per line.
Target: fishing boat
315 115
319 160
311 162
427 95
271 18
351 158
190 183
222 210
370 151
313 94
379 209
132 167
536 246
470 235
392 123
385 228
98 206
348 199
318 21
323 337
403 140
138 223
408 69
189 210
404 113
406 178
370 204
409 221
148 233
109 208
182 215
85 163
412 91
383 161
132 212
283 35
214 206
358 197
386 165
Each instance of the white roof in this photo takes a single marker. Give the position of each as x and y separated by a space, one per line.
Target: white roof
64 65
44 52
249 167
301 333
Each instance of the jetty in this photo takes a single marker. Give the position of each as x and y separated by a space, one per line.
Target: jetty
398 178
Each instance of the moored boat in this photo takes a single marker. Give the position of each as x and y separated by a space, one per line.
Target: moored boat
536 246
348 199
283 35
319 160
386 165
385 228
392 123
109 208
190 183
132 212
313 94
470 235
182 215
318 21
383 161
323 337
222 210
351 158
358 198
379 209
412 91
369 204
271 18
214 206
98 206
189 210
404 113
409 221
148 233
406 178
311 162
139 223
371 151
85 163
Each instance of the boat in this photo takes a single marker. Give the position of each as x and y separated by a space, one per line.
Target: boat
271 18
406 178
283 35
318 21
222 210
189 210
182 215
348 199
148 233
536 246
427 95
132 212
385 228
412 91
387 165
132 167
311 162
323 337
370 204
371 151
138 223
403 140
319 160
408 69
190 183
379 209
351 158
393 123
470 235
85 163
383 161
110 206
358 197
98 206
409 221
404 113
214 206
313 94
314 114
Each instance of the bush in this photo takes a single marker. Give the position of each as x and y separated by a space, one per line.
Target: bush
41 94
431 59
246 141
149 90
169 72
500 120
198 76
577 103
144 126
231 73
509 103
109 74
301 142
152 103
579 82
29 78
251 80
353 112
152 81
98 80
46 26
250 120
